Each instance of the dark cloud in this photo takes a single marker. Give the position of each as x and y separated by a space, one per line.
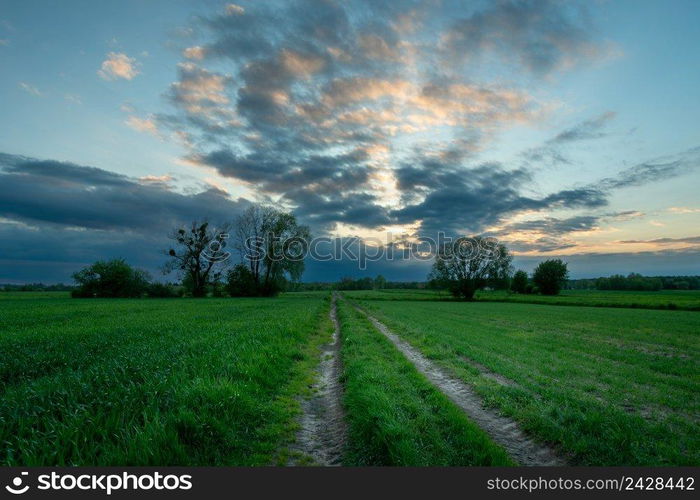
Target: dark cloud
470 199
554 226
543 244
541 35
653 171
66 194
551 152
692 240
589 129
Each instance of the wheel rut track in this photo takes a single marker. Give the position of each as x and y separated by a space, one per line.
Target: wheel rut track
500 428
323 431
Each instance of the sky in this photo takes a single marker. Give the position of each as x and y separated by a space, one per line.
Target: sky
564 129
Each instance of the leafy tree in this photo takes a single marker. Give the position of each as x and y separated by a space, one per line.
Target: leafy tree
379 282
550 275
519 283
198 251
272 245
466 264
110 278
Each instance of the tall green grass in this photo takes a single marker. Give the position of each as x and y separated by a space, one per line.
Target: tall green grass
153 382
396 417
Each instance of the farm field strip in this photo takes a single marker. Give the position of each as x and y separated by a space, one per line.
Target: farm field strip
154 382
322 436
395 415
502 430
688 300
603 403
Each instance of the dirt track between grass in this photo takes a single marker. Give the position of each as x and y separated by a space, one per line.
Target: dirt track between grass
321 438
501 429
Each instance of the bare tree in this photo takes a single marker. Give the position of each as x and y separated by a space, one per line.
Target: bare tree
198 251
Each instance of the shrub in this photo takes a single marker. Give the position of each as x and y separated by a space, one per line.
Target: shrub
162 290
111 279
240 282
519 283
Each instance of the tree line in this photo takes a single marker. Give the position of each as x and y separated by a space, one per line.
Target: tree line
268 246
636 282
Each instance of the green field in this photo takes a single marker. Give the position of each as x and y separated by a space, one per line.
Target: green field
219 381
606 386
665 299
157 382
396 417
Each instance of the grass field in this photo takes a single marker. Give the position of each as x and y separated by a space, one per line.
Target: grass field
218 381
396 417
163 382
665 299
606 386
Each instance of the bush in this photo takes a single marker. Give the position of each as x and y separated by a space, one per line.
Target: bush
519 283
110 279
550 276
240 282
162 290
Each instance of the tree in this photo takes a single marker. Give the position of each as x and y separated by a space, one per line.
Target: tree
550 276
272 245
198 251
111 278
379 282
519 283
466 264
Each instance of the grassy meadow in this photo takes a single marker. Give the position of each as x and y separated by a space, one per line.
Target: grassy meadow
153 382
219 381
607 386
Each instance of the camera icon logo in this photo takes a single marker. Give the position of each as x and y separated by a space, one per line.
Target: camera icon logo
16 487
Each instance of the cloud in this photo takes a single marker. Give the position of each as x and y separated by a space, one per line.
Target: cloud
540 35
460 200
315 94
551 153
74 196
73 98
691 240
147 125
195 52
234 10
30 89
683 210
589 129
655 170
372 120
554 226
118 65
